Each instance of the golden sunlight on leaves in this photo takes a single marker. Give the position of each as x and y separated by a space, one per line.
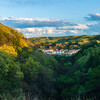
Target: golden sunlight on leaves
9 49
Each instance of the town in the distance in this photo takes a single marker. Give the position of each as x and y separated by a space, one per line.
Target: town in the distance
62 52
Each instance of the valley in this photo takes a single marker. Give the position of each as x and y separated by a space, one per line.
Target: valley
69 72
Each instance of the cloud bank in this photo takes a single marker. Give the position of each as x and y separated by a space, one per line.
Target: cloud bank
93 17
95 28
36 27
31 27
30 22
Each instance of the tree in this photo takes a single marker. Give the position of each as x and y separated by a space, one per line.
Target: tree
10 75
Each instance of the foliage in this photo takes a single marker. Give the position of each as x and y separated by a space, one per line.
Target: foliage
34 74
11 40
10 74
69 42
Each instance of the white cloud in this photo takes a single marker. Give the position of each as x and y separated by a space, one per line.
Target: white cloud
35 27
43 31
78 26
53 31
32 22
26 19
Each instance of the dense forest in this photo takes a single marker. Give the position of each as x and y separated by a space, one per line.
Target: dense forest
28 74
69 42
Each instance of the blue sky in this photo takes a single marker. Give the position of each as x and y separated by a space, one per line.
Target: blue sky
76 13
64 9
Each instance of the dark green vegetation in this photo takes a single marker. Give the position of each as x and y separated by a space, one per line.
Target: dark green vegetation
32 74
69 42
79 75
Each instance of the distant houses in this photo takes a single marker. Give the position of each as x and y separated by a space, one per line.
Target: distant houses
62 52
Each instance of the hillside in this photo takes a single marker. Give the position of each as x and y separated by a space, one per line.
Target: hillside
69 42
33 75
11 40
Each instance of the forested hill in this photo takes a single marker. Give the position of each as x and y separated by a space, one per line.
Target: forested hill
69 42
11 40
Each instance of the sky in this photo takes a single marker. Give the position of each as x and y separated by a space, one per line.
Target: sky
36 18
